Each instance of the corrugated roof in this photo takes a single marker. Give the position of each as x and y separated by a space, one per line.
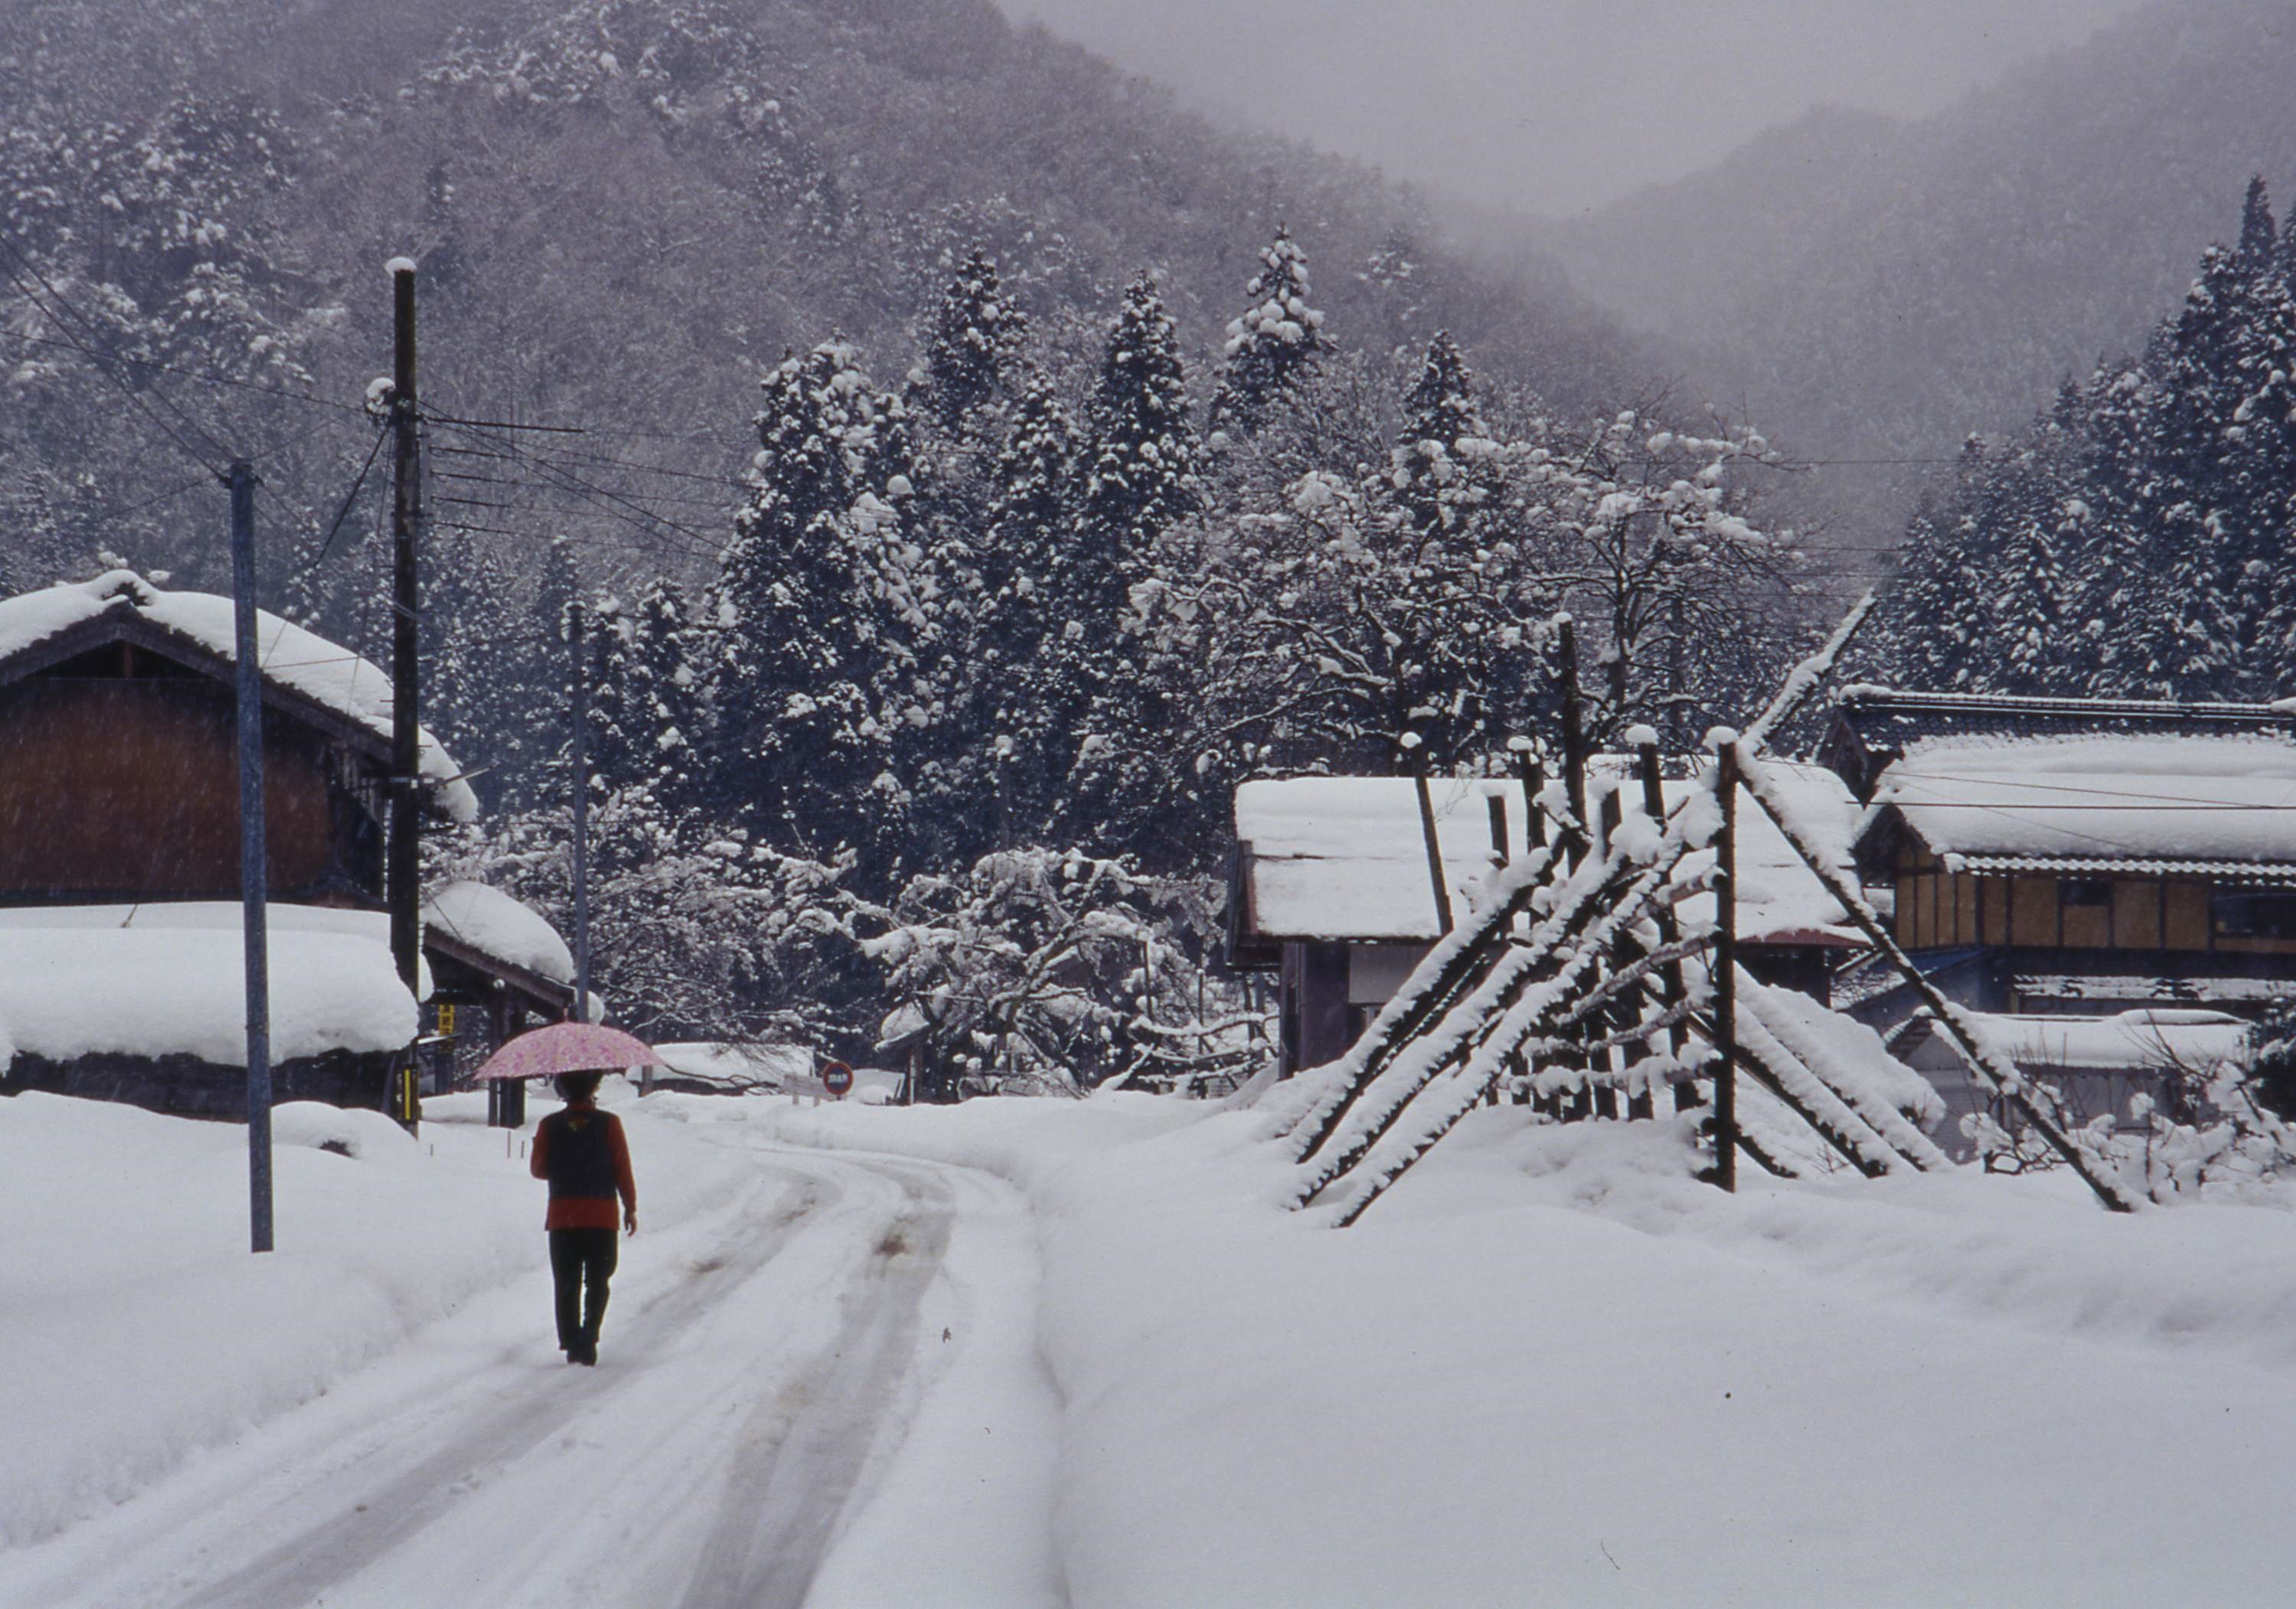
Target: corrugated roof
2221 804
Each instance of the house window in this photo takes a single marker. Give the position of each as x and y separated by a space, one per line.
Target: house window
2254 913
2085 914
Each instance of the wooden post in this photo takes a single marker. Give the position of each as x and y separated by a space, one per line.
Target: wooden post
254 892
1671 989
1574 721
403 846
1434 847
579 758
1725 963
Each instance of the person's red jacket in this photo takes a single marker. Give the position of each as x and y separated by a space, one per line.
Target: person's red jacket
587 1212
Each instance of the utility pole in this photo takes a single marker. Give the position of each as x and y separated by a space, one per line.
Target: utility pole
580 750
1725 964
253 879
403 850
1574 721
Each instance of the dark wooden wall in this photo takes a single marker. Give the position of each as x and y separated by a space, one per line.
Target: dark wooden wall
128 789
185 1086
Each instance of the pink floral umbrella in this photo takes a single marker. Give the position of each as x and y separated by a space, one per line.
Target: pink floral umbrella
569 1048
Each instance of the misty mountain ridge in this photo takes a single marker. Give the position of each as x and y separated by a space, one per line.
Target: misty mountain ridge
1875 289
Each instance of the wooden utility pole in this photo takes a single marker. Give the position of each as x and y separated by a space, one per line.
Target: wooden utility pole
1724 960
1574 721
254 890
403 848
579 753
1434 846
1671 990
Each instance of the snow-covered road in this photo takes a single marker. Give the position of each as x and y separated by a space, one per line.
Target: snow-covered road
762 1370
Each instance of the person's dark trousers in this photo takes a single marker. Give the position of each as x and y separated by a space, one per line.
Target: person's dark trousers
581 1258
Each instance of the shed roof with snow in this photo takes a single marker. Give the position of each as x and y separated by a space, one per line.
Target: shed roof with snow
2212 805
1345 858
1876 726
164 980
322 682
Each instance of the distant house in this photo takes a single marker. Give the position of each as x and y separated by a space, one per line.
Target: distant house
2110 885
2096 1063
120 961
1332 887
2078 856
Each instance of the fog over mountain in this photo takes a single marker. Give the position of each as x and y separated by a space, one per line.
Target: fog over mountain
1873 288
1558 106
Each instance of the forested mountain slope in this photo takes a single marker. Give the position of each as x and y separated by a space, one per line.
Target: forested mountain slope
626 211
1873 289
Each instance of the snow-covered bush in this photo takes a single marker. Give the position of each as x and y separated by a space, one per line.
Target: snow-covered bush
1037 970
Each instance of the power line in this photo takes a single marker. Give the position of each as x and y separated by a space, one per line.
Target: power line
211 377
104 368
643 518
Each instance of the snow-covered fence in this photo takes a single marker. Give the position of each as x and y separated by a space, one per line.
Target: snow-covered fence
1607 992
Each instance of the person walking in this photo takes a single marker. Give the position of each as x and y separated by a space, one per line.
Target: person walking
581 1152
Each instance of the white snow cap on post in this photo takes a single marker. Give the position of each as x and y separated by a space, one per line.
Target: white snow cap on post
398 266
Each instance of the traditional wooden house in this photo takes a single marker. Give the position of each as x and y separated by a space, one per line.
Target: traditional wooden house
120 966
1336 888
2078 856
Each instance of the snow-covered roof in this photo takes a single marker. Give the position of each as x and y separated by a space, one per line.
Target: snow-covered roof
736 1066
1346 857
494 924
169 979
1780 899
2127 1041
302 662
2219 805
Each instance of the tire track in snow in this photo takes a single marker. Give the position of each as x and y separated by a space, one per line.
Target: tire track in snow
301 1569
801 1454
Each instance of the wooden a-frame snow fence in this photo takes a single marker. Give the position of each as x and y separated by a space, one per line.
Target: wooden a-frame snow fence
1568 982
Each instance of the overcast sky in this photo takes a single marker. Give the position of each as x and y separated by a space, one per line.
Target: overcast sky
1552 105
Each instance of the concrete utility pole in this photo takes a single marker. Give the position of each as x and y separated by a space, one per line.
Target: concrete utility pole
254 891
580 752
403 849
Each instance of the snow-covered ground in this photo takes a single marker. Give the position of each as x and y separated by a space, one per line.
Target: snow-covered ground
1024 1352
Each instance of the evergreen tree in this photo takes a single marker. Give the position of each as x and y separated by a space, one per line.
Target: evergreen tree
2135 542
973 348
814 606
1273 343
1114 699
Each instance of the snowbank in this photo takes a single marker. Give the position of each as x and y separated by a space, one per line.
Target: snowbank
170 979
324 671
1552 1368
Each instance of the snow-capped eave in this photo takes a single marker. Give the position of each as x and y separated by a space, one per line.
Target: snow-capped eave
122 622
1886 824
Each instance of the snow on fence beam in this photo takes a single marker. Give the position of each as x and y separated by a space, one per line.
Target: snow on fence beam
1434 985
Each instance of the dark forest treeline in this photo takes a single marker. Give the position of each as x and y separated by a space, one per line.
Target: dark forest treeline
2135 540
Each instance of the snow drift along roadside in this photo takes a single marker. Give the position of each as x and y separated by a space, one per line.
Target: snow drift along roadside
1555 1369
